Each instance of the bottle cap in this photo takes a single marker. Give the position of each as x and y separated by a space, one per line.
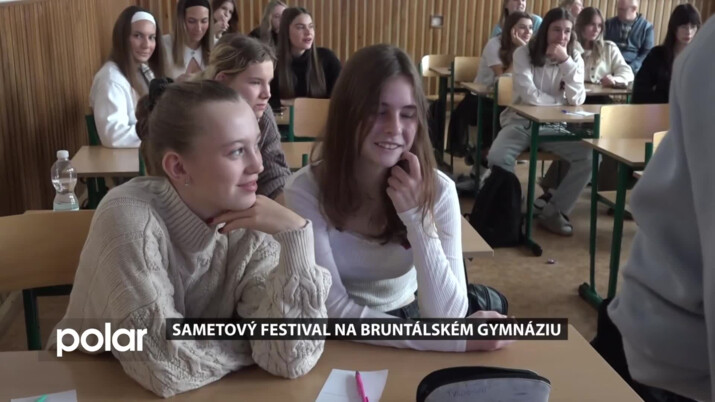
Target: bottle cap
63 154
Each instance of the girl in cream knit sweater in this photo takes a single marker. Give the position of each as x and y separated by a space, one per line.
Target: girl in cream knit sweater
155 249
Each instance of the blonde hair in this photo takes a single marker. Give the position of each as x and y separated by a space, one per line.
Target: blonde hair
234 53
265 29
168 118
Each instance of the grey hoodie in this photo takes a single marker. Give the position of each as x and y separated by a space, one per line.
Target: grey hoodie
666 307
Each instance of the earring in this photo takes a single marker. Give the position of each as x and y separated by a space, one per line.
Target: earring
187 181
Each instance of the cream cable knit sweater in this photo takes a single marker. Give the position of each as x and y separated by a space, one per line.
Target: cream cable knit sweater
148 258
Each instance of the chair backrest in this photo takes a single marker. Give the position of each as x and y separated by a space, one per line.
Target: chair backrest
434 60
657 138
310 116
42 248
633 121
92 130
465 68
505 89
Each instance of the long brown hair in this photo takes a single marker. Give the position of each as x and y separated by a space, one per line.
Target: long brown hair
233 21
121 50
234 53
266 28
538 45
584 19
315 76
168 118
181 36
353 107
506 50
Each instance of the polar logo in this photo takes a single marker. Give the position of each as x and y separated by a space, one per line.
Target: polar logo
108 340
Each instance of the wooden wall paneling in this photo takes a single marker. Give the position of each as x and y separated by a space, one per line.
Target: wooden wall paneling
51 50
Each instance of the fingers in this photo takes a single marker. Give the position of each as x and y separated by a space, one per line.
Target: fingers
414 165
399 173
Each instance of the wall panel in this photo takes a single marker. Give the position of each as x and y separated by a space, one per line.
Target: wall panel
50 51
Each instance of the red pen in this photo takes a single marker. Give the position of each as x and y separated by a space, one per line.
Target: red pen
360 388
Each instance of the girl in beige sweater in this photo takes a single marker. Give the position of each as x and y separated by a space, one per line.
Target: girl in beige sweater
155 249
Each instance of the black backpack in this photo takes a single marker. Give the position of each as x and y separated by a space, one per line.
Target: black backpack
496 214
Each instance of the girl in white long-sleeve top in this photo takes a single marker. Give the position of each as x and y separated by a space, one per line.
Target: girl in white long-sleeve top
386 221
156 249
136 58
547 72
187 47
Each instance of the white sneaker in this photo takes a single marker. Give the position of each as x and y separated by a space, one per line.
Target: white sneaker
554 221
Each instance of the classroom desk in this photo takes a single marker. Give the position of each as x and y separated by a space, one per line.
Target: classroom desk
576 372
630 154
598 90
638 174
99 161
444 73
539 115
295 152
473 245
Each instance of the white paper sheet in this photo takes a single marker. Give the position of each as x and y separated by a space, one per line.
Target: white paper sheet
66 396
341 387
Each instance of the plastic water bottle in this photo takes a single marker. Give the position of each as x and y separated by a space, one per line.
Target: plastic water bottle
64 179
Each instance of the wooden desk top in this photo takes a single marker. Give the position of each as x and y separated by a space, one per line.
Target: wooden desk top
596 89
478 89
576 372
294 152
473 245
630 151
441 71
98 161
287 102
555 114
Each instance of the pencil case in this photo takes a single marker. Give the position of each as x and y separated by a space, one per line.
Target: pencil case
483 384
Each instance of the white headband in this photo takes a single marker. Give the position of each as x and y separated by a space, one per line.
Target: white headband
142 16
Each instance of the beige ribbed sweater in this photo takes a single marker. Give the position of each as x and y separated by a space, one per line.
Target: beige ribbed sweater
148 258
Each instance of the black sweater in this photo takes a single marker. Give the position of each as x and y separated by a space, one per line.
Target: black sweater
652 82
331 67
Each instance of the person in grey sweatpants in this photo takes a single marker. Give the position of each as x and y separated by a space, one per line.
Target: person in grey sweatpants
547 72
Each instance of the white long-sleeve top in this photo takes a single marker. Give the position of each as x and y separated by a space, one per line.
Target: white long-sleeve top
610 62
148 257
113 102
665 309
370 278
549 85
174 70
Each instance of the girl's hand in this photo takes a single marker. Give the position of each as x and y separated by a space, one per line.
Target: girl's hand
475 345
265 216
403 187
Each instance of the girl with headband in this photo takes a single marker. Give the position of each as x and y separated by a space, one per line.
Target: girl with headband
136 58
155 250
187 49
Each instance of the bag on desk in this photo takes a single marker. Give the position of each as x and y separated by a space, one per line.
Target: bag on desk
483 384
